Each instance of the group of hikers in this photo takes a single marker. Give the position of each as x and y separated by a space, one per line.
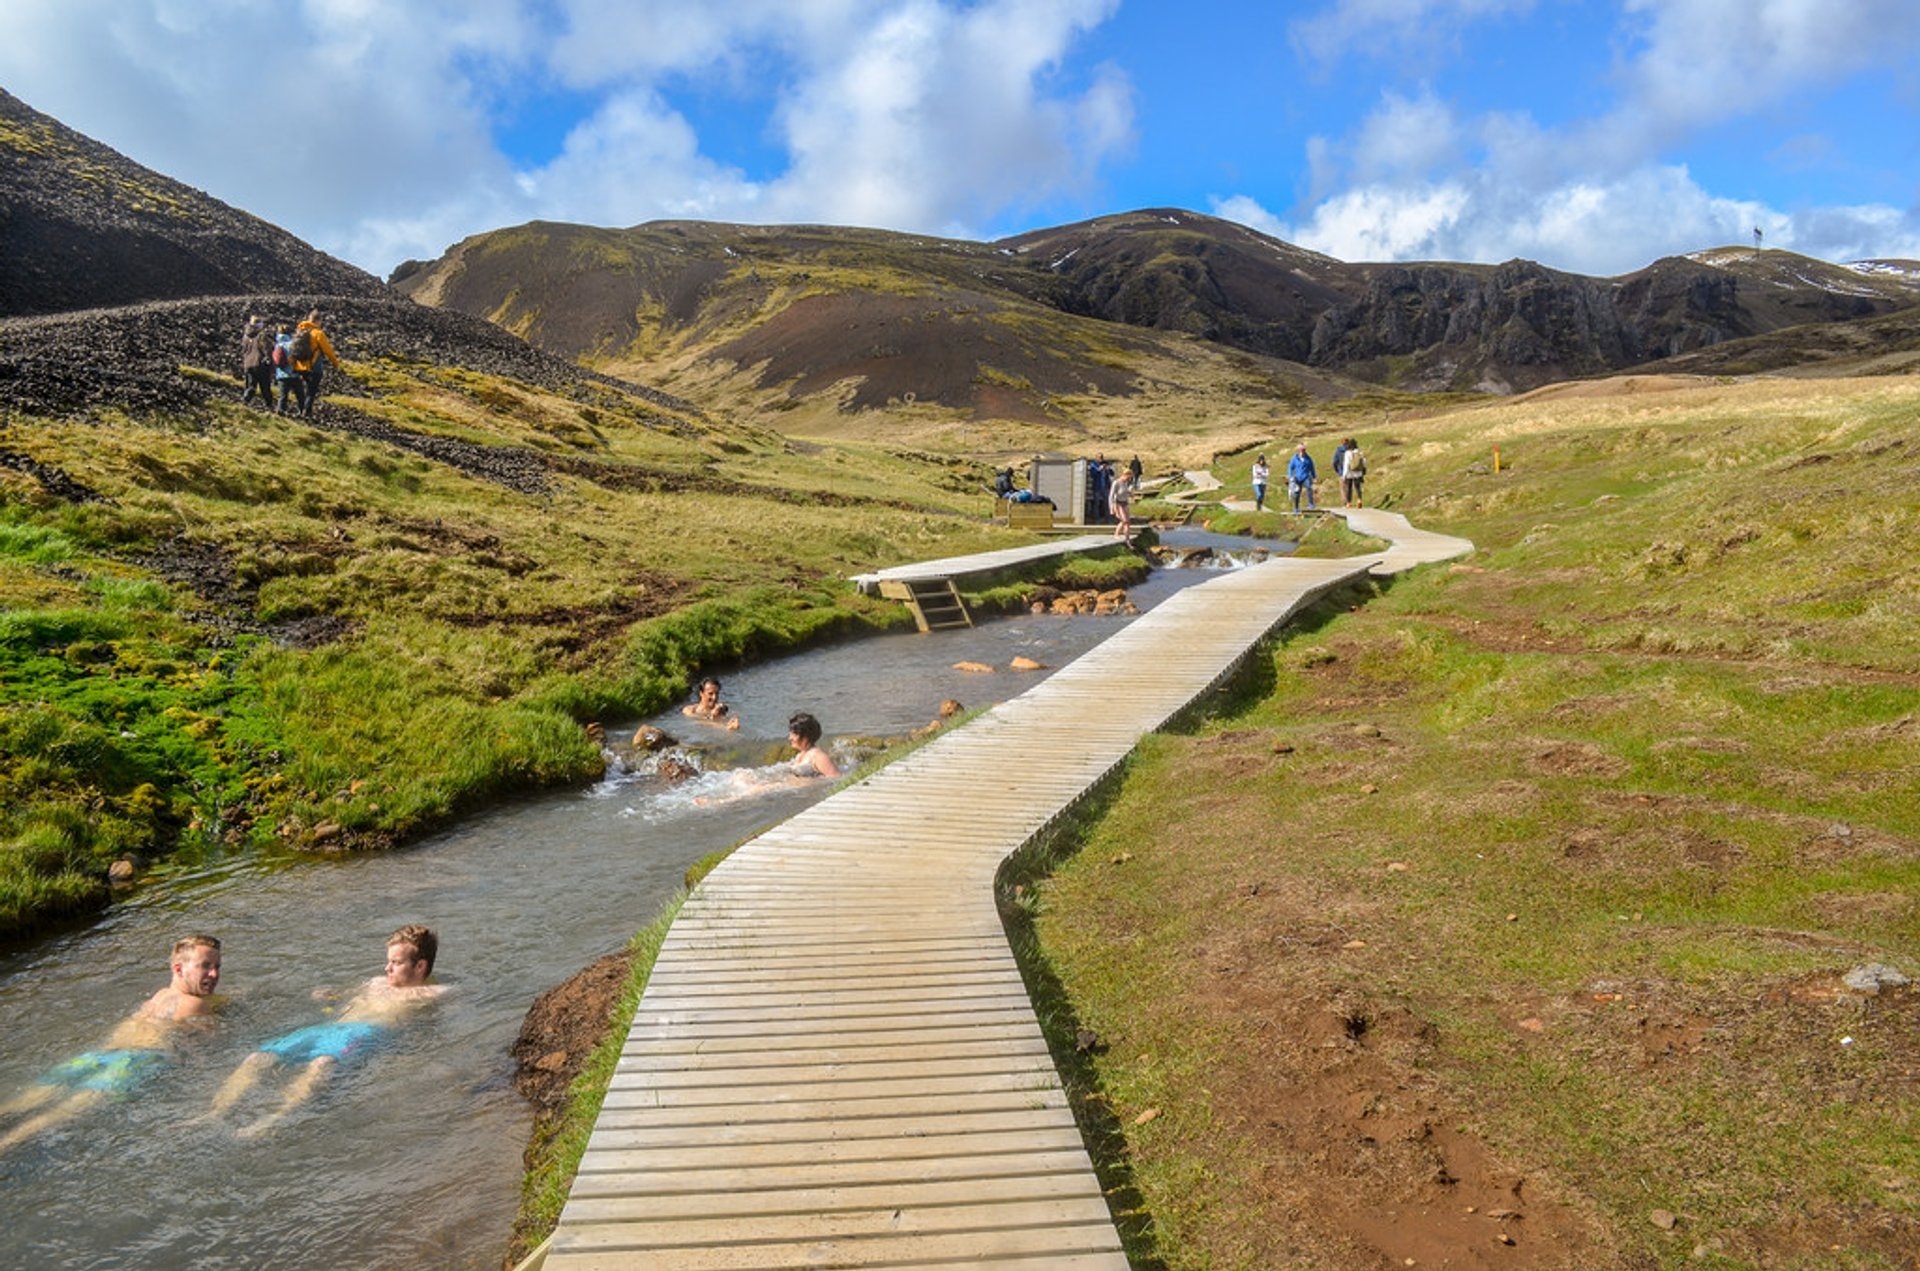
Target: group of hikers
1349 465
286 357
145 1042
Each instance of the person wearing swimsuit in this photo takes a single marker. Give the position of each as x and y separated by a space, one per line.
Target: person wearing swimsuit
140 1047
809 760
373 1013
708 706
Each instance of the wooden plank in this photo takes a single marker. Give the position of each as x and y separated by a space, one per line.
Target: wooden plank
895 1194
835 1062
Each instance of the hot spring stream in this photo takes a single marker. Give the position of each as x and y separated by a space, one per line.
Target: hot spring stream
413 1156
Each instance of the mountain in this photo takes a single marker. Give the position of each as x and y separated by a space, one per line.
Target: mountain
864 302
821 325
83 227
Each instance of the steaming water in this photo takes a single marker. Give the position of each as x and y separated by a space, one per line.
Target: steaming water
413 1155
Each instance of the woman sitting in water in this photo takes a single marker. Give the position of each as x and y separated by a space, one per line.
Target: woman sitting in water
708 706
809 760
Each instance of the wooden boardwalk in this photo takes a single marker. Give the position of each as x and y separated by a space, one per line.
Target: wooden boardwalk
985 563
835 1063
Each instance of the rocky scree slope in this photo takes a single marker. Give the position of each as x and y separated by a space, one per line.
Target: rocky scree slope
82 227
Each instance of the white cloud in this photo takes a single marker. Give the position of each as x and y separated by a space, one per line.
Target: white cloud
934 118
1703 61
1395 29
367 126
1602 195
1584 226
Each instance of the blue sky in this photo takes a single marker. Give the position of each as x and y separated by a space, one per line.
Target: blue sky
1591 136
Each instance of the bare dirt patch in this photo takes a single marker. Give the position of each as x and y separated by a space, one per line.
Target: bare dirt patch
1368 1152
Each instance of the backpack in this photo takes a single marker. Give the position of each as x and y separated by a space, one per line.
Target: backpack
280 359
301 350
1356 464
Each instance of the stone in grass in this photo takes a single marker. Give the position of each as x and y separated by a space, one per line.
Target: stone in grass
1872 977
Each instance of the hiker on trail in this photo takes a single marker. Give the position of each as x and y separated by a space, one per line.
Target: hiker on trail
809 760
1301 476
1260 474
375 1011
1120 504
1353 473
1339 457
133 1052
256 362
310 344
707 705
1134 467
292 386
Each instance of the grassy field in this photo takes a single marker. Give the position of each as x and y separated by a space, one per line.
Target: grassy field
267 633
1503 919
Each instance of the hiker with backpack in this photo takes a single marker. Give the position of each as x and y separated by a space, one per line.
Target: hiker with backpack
256 362
292 385
309 345
1353 473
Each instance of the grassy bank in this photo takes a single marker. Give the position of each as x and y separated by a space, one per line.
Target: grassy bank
1506 917
233 630
559 1141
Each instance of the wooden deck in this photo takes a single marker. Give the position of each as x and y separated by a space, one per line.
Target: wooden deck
835 1063
984 564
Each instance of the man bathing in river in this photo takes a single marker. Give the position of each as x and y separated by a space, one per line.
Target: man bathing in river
708 706
375 1011
137 1049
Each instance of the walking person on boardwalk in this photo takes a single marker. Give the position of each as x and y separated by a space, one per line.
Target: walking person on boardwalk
1353 475
1260 474
256 362
310 344
1120 504
1339 458
1301 476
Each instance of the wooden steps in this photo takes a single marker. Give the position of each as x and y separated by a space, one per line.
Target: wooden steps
935 602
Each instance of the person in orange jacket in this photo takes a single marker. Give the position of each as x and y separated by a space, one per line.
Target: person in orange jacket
309 369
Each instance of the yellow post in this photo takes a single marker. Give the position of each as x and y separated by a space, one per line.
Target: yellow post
1496 458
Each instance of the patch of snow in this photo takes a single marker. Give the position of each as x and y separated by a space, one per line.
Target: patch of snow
1886 268
728 250
1064 259
1007 251
1171 220
1828 284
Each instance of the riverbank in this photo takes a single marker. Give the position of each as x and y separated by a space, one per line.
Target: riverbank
1515 917
229 631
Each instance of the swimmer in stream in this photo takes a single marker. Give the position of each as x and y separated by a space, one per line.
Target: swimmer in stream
374 1012
708 706
138 1048
809 760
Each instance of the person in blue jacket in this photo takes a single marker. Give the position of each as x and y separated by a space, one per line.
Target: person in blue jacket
1301 476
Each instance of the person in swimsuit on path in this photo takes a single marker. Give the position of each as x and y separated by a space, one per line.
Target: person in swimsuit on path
809 760
138 1048
374 1012
708 706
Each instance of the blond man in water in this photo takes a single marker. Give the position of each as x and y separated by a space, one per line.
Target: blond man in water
375 1011
138 1048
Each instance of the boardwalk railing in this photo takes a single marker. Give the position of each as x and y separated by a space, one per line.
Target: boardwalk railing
835 1062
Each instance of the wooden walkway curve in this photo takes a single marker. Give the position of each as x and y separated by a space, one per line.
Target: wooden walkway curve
835 1063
